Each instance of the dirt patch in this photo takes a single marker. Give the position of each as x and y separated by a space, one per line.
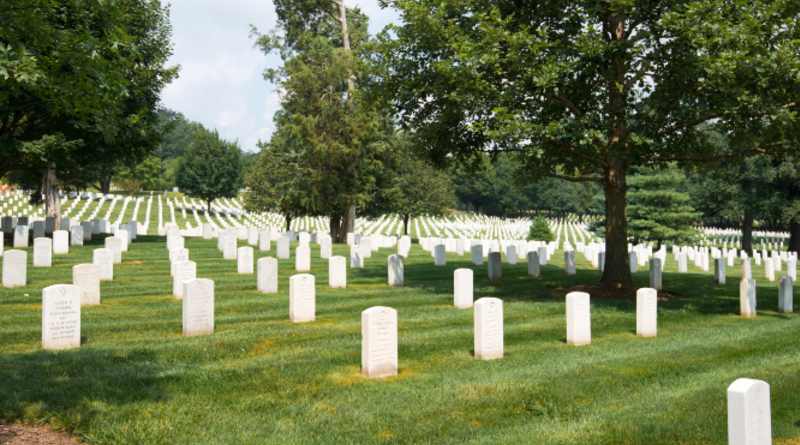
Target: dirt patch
597 291
134 262
30 435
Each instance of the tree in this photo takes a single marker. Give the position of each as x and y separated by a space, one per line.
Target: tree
540 230
659 208
147 175
79 85
325 123
410 186
588 90
274 183
210 168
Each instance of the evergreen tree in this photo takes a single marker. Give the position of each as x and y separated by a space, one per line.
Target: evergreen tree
659 208
540 230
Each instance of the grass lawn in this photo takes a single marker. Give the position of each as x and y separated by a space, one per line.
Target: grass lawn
261 379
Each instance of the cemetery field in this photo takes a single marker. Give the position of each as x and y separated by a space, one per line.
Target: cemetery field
261 379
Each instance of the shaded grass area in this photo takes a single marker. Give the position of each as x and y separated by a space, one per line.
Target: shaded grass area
262 379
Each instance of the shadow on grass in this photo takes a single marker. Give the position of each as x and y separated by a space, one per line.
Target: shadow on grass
693 291
70 388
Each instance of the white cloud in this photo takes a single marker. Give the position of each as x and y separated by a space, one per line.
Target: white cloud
221 80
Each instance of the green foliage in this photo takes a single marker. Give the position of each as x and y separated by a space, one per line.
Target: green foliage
501 186
409 185
660 208
87 73
147 175
210 168
590 90
275 182
540 230
328 140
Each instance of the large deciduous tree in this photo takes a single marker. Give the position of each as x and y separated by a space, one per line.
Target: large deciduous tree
410 186
587 90
210 168
79 85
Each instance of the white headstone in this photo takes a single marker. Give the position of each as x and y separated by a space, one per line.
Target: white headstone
302 258
175 241
395 270
184 271
104 260
655 273
76 235
325 248
495 267
267 276
379 342
114 244
511 254
87 278
60 242
579 319
463 288
230 245
439 258
356 261
252 236
208 231
302 298
785 295
488 331
769 269
719 271
198 307
569 262
244 260
533 264
15 268
646 312
176 256
264 240
42 252
747 298
61 317
477 254
337 272
749 417
284 245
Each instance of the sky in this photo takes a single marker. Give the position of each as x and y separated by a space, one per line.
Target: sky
221 83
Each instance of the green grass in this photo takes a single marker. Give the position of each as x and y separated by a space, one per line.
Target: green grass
261 379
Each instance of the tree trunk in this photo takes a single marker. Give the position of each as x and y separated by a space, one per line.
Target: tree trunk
747 230
617 272
794 236
405 224
346 44
105 185
208 206
335 227
52 202
349 220
288 219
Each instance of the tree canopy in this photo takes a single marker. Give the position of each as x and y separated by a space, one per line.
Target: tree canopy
588 90
210 169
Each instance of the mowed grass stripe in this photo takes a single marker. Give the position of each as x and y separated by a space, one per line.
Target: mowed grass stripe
262 379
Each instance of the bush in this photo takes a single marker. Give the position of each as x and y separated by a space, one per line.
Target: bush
540 230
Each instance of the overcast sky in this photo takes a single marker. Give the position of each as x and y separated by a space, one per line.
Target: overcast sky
221 83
